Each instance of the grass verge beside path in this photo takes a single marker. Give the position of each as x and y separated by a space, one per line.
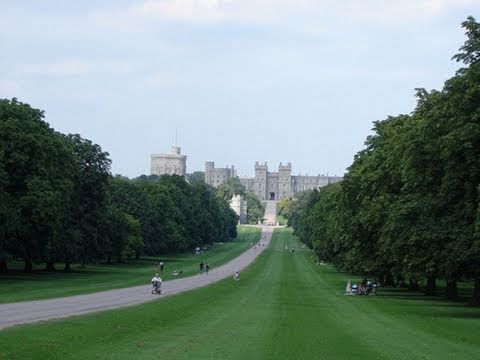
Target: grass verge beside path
284 307
18 286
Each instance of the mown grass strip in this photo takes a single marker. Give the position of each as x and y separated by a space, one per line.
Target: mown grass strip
284 307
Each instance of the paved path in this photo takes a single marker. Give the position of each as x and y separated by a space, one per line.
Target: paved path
33 311
270 213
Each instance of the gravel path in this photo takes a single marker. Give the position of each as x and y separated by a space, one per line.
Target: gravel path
33 311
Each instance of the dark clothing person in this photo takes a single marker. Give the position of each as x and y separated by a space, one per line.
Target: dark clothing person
207 267
201 267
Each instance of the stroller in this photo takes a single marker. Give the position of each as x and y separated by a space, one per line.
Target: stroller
156 287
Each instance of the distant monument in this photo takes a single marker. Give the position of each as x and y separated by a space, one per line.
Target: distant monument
169 164
269 185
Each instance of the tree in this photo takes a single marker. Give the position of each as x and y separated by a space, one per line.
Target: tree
470 51
232 187
197 176
408 205
255 208
283 207
36 178
92 172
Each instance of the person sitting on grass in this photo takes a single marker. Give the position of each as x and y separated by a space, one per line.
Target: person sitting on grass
236 276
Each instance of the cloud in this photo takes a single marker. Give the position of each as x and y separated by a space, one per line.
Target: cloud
399 12
267 12
77 67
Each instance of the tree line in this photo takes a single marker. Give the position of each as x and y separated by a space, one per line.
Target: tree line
60 203
408 208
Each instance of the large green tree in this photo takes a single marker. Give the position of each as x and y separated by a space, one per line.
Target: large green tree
92 172
36 180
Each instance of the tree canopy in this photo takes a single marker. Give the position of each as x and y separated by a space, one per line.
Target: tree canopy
408 207
59 201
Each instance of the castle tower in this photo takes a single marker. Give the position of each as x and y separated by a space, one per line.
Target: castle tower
209 172
260 188
285 181
169 164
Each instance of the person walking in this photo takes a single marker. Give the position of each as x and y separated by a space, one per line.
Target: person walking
201 267
207 267
161 266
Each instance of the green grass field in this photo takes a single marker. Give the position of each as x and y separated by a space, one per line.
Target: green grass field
18 286
284 307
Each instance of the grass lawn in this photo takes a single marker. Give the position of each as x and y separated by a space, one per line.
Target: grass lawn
18 286
284 307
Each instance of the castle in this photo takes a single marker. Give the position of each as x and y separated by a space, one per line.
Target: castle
269 185
265 184
169 164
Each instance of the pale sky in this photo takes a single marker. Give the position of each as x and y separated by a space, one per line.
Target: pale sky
297 81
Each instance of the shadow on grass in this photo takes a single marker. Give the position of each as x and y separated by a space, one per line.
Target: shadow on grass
473 315
419 299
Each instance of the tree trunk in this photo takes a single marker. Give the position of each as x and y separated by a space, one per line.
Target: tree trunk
413 284
451 291
67 266
28 265
28 261
381 279
431 286
3 267
389 281
476 292
50 266
401 282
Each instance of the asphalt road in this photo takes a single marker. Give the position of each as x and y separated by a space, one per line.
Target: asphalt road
40 310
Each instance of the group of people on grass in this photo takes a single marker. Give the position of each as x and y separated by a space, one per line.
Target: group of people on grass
366 287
